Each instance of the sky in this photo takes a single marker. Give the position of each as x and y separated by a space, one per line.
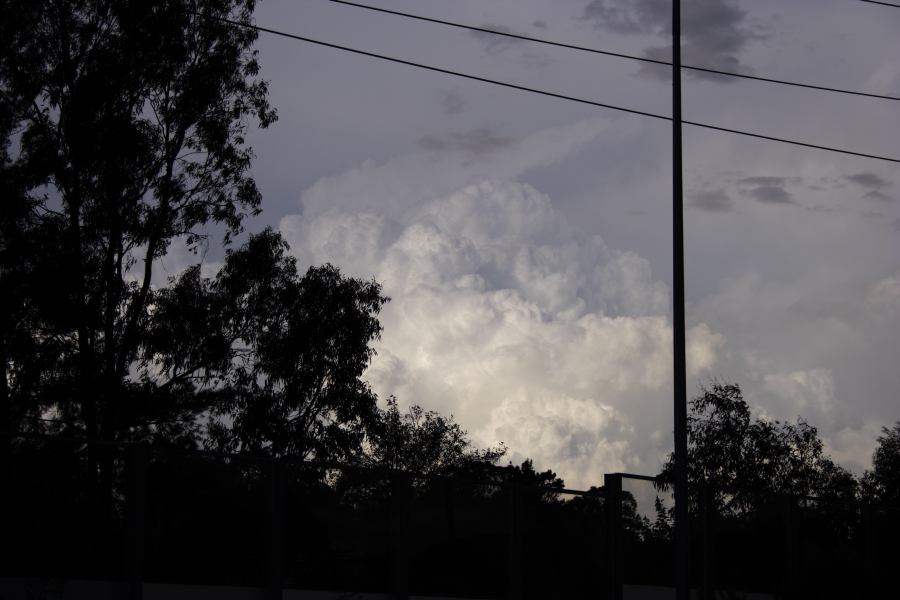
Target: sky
526 241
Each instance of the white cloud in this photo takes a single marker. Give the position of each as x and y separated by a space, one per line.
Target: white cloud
703 349
804 393
823 348
805 287
528 330
882 301
853 446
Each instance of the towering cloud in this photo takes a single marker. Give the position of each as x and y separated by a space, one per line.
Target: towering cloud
527 329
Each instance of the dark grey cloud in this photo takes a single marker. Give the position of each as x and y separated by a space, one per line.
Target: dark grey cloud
768 189
764 180
691 56
896 225
638 16
495 44
869 180
877 195
453 103
476 142
540 25
714 32
770 194
712 201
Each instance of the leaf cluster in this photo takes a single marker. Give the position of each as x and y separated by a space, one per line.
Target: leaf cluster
277 356
745 462
881 484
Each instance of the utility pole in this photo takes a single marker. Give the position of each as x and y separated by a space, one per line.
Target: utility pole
682 526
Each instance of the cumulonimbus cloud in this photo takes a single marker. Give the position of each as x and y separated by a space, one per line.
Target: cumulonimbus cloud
534 332
530 331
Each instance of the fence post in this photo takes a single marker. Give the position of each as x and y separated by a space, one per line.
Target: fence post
707 551
514 553
612 485
869 552
401 504
450 498
790 547
276 528
136 520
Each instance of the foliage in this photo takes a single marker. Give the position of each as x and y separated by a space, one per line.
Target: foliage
881 484
746 462
277 357
662 527
424 442
124 127
526 474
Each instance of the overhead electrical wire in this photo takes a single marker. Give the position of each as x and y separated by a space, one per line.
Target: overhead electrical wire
645 59
544 92
445 71
881 3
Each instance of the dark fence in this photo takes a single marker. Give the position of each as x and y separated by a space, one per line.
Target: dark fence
176 516
779 546
170 516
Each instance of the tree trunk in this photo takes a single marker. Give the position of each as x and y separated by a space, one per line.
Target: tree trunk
6 426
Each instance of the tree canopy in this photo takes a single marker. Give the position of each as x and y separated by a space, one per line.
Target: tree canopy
881 484
743 461
129 121
424 442
123 127
276 358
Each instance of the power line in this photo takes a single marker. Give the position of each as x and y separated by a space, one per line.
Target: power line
444 71
517 36
810 86
502 33
546 93
881 3
793 142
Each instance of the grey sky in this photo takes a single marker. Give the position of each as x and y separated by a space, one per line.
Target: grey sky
712 200
714 32
526 241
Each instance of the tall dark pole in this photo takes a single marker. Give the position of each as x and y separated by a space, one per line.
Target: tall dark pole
682 533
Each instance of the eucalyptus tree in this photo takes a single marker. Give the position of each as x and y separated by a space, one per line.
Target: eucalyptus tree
881 484
127 124
743 461
272 359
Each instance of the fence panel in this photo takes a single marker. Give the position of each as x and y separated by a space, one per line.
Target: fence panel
130 513
63 518
206 520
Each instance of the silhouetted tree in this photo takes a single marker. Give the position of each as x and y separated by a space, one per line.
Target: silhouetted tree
423 442
129 120
526 474
881 484
745 461
662 527
410 448
273 359
16 262
764 493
